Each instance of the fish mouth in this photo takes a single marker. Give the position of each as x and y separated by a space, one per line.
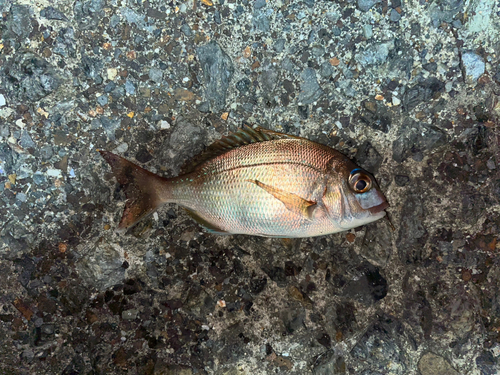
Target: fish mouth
376 209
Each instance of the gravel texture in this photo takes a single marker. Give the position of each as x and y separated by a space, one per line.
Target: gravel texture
409 89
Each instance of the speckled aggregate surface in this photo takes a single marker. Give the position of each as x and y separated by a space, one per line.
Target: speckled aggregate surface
408 89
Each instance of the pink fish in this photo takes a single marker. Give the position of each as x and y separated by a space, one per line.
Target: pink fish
258 182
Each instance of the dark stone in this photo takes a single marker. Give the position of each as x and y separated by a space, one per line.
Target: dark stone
368 287
366 5
261 21
92 68
444 11
496 76
345 318
310 91
259 4
395 16
26 267
487 363
102 100
430 67
217 17
328 364
377 243
257 285
110 125
18 22
326 70
336 31
481 113
8 157
412 233
288 86
238 11
186 30
476 139
217 73
422 92
325 340
277 274
39 179
382 346
88 13
109 87
154 13
305 57
376 117
392 85
243 85
52 13
291 269
26 141
279 45
28 77
268 80
415 137
293 320
368 158
143 155
418 312
204 107
303 111
401 180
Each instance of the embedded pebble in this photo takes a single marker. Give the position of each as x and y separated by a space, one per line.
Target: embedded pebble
102 100
129 314
394 16
474 65
367 31
53 172
164 124
432 364
156 75
366 5
122 147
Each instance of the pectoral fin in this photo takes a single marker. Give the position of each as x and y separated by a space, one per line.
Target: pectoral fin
291 201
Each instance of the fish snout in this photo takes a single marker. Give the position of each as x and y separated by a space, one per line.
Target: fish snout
373 201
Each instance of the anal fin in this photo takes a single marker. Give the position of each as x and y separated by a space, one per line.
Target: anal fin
291 201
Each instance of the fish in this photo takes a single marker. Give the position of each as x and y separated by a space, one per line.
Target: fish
258 182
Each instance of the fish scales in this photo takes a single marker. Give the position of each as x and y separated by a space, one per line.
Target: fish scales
221 191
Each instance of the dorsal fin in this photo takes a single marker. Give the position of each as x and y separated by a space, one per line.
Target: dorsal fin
241 137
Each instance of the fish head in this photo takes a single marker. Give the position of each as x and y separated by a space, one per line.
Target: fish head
353 197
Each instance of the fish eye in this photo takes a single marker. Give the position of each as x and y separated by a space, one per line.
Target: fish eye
360 182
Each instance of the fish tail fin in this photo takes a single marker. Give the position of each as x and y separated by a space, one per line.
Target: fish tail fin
145 191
